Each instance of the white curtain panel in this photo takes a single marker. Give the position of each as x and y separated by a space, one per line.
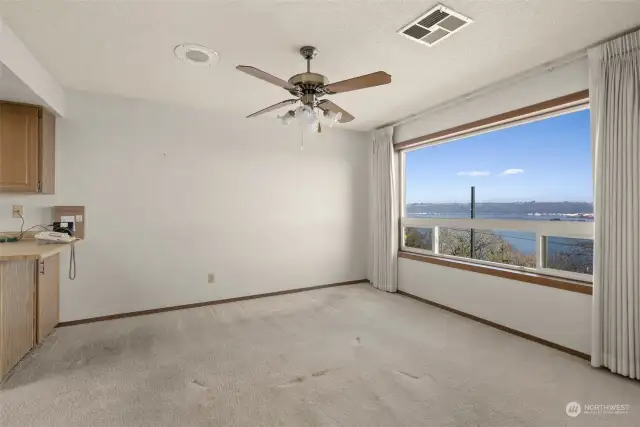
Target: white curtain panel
615 131
384 218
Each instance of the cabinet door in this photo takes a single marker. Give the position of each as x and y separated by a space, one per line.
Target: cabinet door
47 150
48 296
17 308
19 130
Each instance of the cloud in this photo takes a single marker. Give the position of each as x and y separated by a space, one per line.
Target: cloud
512 172
474 173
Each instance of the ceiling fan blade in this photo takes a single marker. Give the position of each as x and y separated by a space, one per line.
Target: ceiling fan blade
327 105
368 80
252 71
274 107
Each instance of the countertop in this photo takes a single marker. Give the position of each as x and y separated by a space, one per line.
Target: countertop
30 249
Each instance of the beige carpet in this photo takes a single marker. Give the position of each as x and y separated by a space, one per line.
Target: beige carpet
346 356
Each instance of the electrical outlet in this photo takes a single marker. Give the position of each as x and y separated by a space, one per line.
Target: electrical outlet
17 211
212 278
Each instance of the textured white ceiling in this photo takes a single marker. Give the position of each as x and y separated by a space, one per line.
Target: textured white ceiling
126 47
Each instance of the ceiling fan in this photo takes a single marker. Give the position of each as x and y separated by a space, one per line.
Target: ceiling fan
309 87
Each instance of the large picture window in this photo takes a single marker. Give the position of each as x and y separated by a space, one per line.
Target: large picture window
519 197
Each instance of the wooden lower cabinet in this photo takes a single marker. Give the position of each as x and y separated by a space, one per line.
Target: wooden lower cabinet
17 312
29 304
48 296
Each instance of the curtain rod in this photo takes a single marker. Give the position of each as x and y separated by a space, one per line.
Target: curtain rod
546 67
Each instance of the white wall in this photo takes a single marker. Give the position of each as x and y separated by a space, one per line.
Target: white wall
558 316
547 84
173 193
561 317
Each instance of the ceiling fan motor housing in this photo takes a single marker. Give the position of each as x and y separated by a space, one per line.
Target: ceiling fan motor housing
308 84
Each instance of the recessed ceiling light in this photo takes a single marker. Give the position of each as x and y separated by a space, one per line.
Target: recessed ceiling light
196 54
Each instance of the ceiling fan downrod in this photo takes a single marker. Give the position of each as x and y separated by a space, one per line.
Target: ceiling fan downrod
308 53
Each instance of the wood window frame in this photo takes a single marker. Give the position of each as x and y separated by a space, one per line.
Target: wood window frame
529 113
533 278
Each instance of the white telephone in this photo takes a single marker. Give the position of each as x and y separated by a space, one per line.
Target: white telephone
53 237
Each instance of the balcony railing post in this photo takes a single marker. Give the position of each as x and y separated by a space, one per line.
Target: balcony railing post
540 252
473 215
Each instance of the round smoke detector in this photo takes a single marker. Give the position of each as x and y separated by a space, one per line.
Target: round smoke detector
196 54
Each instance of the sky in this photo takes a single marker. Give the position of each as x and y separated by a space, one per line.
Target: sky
545 161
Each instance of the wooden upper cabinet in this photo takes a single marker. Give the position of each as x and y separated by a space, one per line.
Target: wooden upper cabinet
27 149
47 152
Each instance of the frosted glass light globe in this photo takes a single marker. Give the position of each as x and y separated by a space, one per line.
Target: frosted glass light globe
304 113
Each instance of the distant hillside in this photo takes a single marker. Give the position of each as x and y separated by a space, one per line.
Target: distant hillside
521 208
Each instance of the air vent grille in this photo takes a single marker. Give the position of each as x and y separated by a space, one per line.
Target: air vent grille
434 26
433 18
434 37
416 31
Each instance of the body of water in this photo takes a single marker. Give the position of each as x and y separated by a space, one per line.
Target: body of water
523 241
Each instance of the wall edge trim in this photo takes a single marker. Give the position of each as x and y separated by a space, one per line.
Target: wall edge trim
203 304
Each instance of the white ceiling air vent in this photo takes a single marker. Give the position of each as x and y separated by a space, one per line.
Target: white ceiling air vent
434 26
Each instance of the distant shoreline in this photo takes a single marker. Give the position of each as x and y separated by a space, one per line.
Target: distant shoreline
576 210
577 215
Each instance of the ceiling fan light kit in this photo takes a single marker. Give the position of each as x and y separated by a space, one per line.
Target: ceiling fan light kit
287 117
332 117
308 88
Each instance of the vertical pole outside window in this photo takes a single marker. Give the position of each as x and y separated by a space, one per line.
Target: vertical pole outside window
473 215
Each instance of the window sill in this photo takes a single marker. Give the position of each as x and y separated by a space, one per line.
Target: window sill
521 276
